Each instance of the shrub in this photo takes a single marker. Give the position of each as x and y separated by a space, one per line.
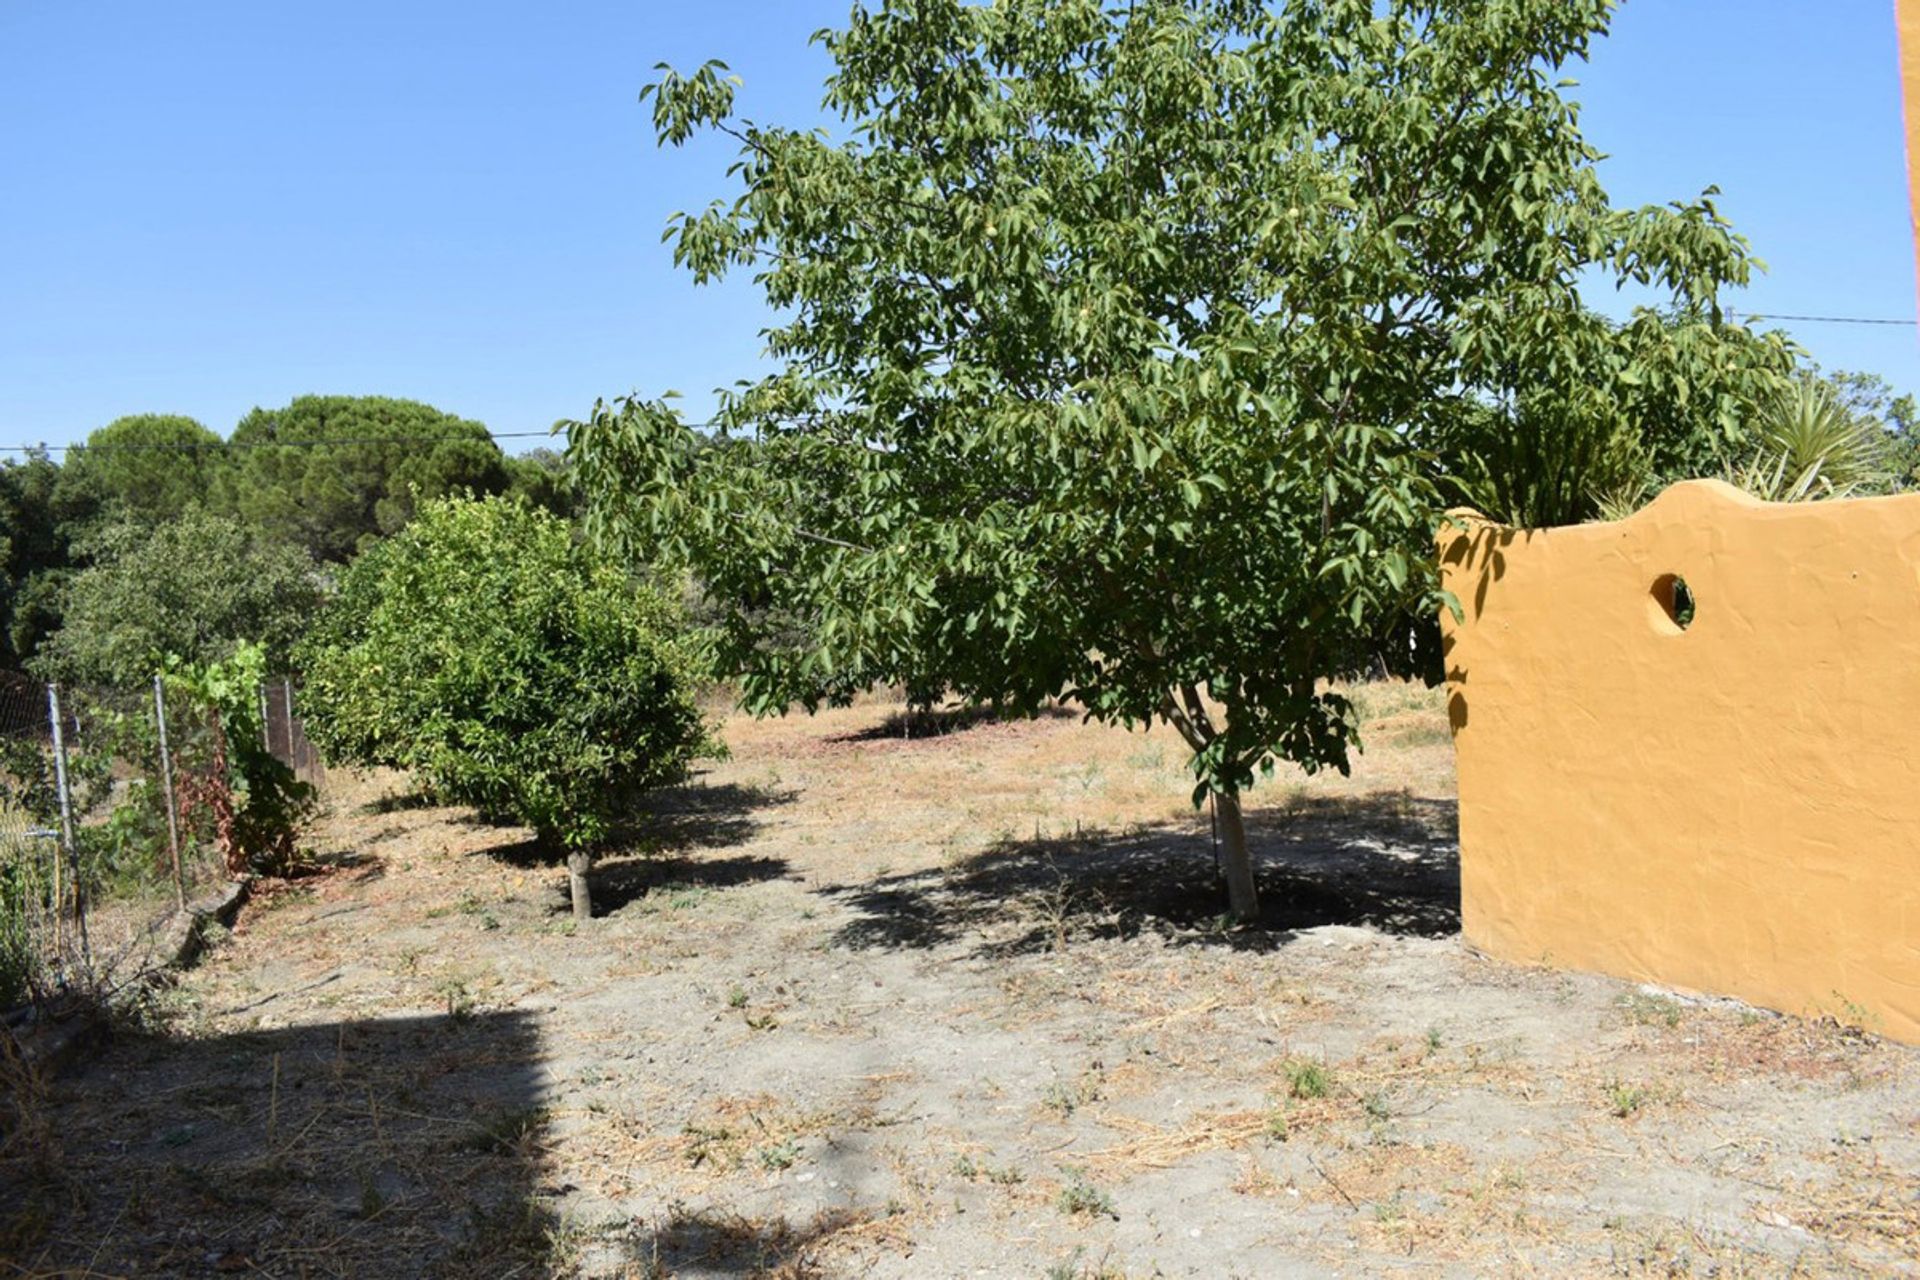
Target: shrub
485 651
229 781
194 587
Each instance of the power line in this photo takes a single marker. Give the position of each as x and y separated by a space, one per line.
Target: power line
1775 315
498 436
196 446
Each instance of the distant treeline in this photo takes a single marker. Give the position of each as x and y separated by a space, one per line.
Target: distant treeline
155 501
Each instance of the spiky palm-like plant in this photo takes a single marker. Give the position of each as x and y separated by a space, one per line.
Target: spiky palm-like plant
1809 446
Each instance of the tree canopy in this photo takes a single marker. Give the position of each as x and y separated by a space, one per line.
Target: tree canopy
1117 343
36 530
192 588
147 466
352 468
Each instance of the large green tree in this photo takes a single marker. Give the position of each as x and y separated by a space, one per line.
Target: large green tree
191 589
1869 399
36 554
330 473
148 466
1116 342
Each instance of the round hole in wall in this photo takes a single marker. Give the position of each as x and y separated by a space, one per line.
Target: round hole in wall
1676 600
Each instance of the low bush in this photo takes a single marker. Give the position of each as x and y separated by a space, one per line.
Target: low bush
487 652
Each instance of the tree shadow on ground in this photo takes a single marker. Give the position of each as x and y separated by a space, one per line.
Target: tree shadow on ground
408 799
1388 861
619 882
711 1242
651 849
375 1147
695 814
942 722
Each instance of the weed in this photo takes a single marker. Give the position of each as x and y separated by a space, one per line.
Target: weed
1080 1197
523 1231
505 1134
488 921
1645 1009
737 998
762 1021
372 1203
1277 1128
1072 1267
1307 1079
1088 776
288 897
964 1167
1625 1099
1433 1040
1064 1099
706 1142
676 896
1375 1105
460 1005
778 1155
1005 1176
1856 1013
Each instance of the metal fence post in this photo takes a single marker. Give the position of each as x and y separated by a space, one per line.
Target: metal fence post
66 823
166 784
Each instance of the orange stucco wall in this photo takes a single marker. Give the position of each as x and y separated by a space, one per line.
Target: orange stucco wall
1732 808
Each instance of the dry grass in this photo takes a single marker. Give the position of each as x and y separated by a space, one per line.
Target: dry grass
950 1002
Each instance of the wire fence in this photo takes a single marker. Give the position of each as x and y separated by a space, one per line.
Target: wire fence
286 733
31 851
99 832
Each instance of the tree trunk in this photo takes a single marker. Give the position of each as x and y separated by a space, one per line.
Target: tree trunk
1243 895
578 864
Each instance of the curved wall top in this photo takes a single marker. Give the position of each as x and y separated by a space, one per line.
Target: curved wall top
1727 799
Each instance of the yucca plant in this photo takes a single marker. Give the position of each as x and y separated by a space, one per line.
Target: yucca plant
1809 446
1545 462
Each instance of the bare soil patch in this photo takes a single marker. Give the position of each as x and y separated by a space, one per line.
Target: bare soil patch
876 999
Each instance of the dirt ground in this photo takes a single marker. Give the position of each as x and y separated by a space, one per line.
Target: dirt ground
955 1004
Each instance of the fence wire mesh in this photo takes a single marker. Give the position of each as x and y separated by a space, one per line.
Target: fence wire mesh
30 850
99 836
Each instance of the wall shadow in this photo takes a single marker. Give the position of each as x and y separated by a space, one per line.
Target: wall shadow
1387 861
380 1147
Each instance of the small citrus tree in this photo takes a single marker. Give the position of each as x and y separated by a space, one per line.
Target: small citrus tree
484 650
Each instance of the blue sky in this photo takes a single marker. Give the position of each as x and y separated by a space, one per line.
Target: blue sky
209 206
